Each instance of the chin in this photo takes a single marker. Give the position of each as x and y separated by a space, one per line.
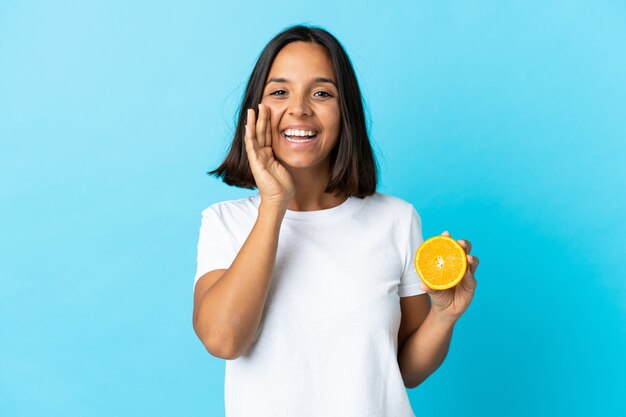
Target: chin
297 164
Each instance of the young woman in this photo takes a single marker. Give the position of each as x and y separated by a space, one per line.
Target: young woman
308 288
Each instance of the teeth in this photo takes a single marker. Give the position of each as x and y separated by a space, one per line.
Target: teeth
293 139
296 132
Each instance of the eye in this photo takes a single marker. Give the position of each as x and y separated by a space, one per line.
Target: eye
282 93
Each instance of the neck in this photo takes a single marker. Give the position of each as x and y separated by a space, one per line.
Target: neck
310 185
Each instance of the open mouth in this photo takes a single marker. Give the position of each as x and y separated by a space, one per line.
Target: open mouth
299 136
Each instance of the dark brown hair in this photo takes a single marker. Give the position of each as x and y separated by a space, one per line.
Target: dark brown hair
353 167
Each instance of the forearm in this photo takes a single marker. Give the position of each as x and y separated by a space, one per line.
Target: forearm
425 349
230 311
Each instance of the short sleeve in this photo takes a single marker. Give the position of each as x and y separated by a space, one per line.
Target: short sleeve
214 244
410 281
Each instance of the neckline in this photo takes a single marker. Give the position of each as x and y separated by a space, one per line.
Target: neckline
316 215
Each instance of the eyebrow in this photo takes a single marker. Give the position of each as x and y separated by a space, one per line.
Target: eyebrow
317 80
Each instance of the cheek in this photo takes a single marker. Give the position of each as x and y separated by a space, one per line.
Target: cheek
331 115
275 115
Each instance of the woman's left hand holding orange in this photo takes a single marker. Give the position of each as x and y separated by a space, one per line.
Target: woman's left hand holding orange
450 304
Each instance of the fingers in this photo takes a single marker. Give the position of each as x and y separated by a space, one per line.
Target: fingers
472 277
263 127
250 120
249 138
469 279
472 263
268 128
467 245
259 129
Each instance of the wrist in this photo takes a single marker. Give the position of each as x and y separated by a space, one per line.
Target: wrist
442 318
273 210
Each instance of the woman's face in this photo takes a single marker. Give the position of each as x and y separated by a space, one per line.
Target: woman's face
301 94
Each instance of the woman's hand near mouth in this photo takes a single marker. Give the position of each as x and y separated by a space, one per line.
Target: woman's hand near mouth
272 179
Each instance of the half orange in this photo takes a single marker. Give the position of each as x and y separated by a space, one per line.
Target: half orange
440 262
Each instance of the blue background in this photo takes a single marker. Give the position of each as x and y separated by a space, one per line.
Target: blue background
502 122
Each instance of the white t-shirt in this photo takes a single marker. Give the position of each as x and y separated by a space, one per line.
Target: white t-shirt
328 340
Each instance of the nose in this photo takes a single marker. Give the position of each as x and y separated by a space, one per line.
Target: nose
299 105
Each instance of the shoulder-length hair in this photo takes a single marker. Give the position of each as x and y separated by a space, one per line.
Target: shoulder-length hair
353 169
